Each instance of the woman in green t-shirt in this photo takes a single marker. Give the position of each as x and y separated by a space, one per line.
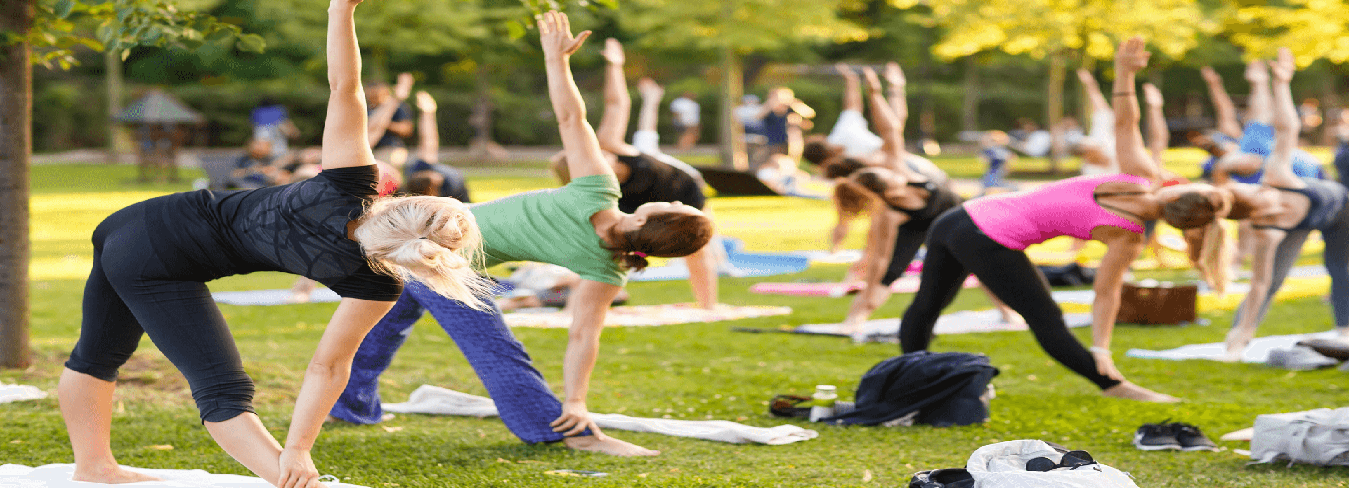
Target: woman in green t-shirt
577 226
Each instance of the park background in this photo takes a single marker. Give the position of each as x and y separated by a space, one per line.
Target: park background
1014 54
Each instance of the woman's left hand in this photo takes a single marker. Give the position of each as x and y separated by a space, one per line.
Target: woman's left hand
574 420
1105 365
297 470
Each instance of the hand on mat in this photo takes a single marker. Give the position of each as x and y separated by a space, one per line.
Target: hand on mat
1105 364
555 35
297 470
574 420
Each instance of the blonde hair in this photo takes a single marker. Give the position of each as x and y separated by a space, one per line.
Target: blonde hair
1215 256
434 240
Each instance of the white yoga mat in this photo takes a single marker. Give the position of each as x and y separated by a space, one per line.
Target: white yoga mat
1256 352
643 315
963 322
429 399
271 297
19 393
58 476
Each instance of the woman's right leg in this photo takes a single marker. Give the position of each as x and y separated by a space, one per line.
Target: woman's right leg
939 283
359 403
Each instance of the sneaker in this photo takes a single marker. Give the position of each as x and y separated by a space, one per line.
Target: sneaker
1191 439
1156 437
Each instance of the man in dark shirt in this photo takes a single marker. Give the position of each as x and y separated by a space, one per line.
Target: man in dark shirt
390 119
254 169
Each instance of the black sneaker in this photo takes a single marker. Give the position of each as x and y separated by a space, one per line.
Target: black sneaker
1191 439
1156 437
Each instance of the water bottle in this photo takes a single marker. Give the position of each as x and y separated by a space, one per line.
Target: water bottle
822 405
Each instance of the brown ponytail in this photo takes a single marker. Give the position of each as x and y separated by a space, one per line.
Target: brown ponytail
663 235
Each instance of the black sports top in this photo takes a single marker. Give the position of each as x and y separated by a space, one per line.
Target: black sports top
940 198
300 228
650 180
1327 198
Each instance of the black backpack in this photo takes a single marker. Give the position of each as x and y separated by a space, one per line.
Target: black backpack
940 389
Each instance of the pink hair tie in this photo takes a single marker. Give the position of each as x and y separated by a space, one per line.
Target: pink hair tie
640 254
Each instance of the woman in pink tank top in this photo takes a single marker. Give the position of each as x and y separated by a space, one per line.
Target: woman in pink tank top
988 237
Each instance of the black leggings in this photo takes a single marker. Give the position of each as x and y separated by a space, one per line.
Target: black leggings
129 293
907 241
955 248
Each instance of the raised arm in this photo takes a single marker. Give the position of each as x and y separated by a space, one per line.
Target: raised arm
1223 108
1133 157
584 157
887 124
1260 106
649 115
1279 168
852 89
899 96
429 148
617 102
381 120
344 138
1159 135
1093 90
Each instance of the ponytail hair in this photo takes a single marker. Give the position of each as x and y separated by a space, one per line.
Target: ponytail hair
664 235
433 240
1215 257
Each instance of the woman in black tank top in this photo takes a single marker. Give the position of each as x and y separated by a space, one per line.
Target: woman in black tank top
1283 211
152 259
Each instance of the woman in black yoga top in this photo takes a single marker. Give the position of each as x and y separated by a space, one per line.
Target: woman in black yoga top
152 259
1284 209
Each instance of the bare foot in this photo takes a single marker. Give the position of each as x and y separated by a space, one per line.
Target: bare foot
1010 316
1240 435
111 476
610 446
1130 391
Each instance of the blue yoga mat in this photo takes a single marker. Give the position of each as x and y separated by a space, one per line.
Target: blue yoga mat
743 264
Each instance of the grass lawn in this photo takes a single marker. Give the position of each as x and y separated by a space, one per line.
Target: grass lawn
696 371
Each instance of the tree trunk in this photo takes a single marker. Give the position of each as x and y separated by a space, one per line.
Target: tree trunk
16 145
732 89
112 65
969 117
1058 69
1330 107
481 145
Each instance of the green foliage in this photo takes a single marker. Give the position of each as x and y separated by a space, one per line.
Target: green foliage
743 25
1313 29
119 25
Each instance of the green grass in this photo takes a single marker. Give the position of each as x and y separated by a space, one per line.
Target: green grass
692 371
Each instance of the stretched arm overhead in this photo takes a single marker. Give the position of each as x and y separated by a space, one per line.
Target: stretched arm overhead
344 141
429 148
1133 157
649 114
899 101
1159 135
381 120
852 90
1093 90
584 157
1279 171
1260 107
617 102
1223 108
888 125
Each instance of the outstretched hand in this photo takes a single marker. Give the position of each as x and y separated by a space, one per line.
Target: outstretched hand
1085 77
846 72
1152 95
1132 55
575 419
403 88
873 81
894 75
613 51
1283 67
649 88
1210 76
425 102
555 35
1257 71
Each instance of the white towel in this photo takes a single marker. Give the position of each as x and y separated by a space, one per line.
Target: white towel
435 400
58 476
962 322
18 393
1256 352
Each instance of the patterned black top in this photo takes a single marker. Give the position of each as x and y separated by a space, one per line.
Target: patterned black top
650 180
300 228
